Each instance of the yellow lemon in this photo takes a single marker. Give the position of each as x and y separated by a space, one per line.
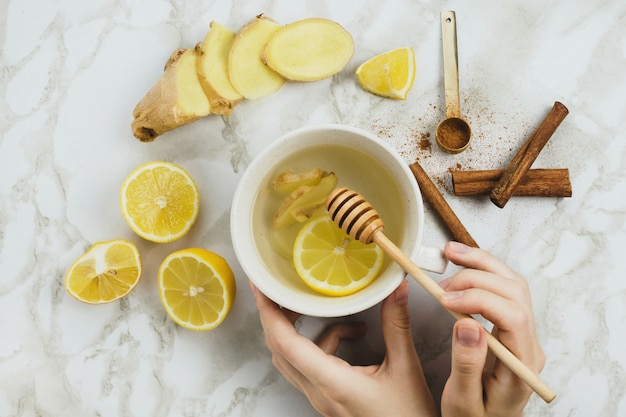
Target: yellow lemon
160 201
390 74
106 272
331 262
197 288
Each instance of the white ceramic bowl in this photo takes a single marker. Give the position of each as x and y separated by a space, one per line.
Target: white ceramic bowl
362 162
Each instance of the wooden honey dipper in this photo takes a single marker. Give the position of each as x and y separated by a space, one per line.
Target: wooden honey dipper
357 218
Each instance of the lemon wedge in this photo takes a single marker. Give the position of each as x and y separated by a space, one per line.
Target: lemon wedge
390 74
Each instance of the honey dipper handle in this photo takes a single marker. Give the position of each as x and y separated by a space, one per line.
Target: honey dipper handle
498 349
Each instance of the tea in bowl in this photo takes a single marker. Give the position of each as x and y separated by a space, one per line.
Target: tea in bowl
361 162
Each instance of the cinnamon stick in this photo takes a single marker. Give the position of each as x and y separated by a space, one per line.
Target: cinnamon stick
441 207
521 162
536 182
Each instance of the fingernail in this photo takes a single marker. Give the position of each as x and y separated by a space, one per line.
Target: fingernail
451 295
444 283
468 336
458 247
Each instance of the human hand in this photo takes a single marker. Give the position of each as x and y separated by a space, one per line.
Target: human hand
479 385
335 388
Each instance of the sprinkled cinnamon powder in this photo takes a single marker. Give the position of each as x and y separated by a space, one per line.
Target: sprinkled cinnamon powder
424 143
496 135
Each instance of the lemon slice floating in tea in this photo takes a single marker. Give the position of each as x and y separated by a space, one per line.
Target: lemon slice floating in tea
197 288
331 262
390 74
160 201
105 273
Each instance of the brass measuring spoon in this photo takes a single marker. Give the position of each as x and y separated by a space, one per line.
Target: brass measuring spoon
453 134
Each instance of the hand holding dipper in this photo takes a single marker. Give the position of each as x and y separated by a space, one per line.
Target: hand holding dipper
357 218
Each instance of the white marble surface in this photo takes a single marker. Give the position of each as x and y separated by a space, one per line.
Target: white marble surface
71 73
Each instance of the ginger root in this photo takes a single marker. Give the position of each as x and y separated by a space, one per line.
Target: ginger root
309 49
248 73
225 68
175 100
213 69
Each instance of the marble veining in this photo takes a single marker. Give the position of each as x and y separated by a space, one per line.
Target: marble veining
70 75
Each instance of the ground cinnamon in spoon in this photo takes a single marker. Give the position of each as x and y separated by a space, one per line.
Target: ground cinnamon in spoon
453 136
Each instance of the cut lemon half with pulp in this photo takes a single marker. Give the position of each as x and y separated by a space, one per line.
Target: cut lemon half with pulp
331 262
105 273
160 201
390 74
197 288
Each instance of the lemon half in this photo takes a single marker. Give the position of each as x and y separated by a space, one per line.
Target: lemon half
160 201
197 288
106 272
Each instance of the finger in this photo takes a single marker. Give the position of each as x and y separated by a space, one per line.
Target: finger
273 318
291 315
287 344
515 328
277 325
506 314
504 287
464 388
291 374
476 258
333 335
396 328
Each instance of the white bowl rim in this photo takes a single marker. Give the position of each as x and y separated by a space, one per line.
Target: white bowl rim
244 245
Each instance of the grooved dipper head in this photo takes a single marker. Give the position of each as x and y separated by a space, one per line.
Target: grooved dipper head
353 214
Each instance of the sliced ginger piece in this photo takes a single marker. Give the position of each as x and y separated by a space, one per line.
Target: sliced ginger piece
175 100
288 181
303 202
213 69
248 73
305 213
309 49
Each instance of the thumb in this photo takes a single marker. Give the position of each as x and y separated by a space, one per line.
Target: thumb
469 353
396 327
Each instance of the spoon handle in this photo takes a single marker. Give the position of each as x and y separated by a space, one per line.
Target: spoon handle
498 349
450 64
